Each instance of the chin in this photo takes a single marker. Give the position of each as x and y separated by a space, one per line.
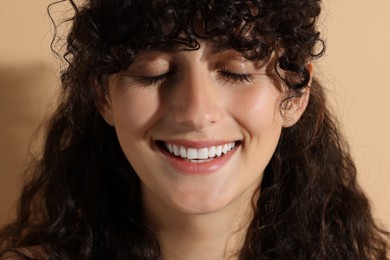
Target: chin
200 204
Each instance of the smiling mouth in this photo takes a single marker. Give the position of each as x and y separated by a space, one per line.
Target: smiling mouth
198 155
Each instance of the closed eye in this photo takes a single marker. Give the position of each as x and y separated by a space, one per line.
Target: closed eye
154 79
237 77
158 79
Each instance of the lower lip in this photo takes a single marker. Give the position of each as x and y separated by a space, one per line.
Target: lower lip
207 167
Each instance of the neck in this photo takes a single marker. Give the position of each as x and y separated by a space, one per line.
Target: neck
216 235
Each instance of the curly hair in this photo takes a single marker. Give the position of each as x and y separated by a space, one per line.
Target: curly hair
83 199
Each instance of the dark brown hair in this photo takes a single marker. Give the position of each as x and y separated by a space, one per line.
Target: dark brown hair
83 201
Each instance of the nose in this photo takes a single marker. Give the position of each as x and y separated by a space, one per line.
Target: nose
194 101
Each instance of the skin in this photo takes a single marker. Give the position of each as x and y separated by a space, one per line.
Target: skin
197 100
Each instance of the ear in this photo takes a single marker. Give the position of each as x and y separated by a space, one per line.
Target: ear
295 106
104 106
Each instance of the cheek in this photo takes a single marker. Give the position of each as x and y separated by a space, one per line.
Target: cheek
257 112
257 109
135 110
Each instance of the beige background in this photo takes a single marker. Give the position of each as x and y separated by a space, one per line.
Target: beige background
355 69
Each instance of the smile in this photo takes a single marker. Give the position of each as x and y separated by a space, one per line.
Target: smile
200 153
198 158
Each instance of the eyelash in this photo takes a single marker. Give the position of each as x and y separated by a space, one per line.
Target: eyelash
235 77
153 80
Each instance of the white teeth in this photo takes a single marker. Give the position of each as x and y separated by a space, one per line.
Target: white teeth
192 153
183 152
212 151
201 154
176 150
218 150
225 149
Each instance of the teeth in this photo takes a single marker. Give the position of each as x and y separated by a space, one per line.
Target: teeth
176 150
211 151
218 150
183 152
225 149
191 153
201 154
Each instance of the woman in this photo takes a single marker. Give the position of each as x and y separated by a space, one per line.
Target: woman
193 130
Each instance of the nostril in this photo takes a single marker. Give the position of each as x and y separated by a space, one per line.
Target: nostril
196 106
197 117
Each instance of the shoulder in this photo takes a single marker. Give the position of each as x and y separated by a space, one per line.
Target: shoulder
23 253
14 254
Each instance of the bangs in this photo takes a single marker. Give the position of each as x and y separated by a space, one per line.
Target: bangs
179 25
107 35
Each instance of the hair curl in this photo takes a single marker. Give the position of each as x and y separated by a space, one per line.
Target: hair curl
83 199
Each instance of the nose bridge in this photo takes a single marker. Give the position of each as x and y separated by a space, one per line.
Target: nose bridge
195 102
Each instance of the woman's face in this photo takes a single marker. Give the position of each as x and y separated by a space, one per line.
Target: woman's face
198 127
